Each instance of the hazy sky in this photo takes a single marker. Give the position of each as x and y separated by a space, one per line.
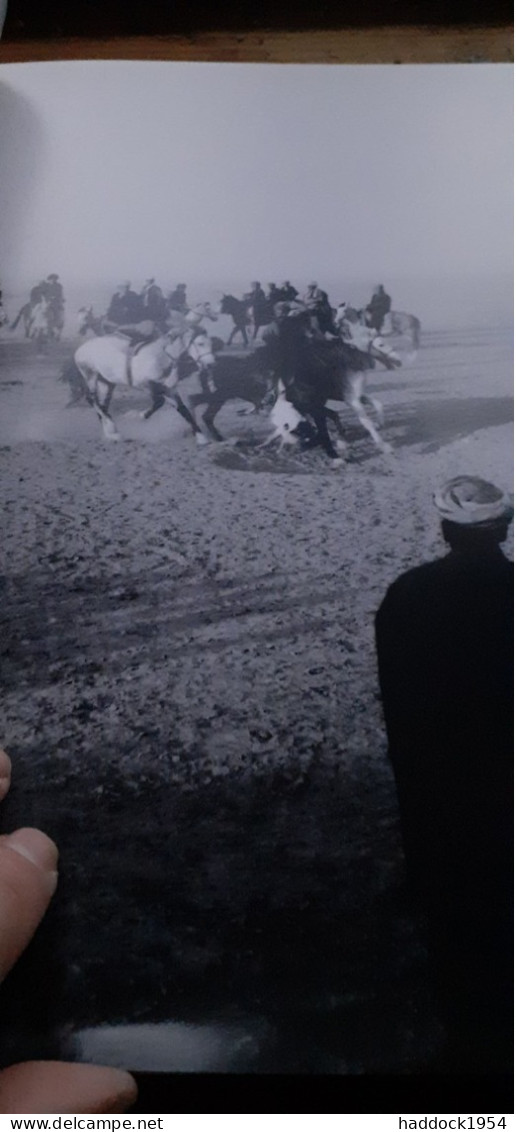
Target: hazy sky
226 173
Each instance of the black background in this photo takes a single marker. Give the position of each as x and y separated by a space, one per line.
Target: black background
46 19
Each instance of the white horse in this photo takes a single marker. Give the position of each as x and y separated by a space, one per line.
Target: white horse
399 322
110 360
40 325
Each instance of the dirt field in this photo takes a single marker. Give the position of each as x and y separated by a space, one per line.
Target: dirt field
191 703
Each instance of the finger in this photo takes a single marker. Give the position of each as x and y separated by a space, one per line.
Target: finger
28 878
5 770
54 1086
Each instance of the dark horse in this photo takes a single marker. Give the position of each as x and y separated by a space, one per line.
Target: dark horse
239 310
230 379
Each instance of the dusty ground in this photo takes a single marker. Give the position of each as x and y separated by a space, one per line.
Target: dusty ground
191 703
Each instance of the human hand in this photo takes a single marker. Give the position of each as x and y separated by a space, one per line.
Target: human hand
28 879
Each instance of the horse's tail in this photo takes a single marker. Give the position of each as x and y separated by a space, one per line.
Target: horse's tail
416 333
14 324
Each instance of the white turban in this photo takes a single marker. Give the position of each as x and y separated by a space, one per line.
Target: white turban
471 501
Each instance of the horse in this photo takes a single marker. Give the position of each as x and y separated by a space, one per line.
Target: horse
108 361
41 325
229 379
238 309
99 325
354 332
328 372
56 320
24 314
403 323
399 322
88 321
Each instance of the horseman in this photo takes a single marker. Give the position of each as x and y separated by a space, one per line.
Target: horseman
125 306
153 302
177 300
54 294
257 301
37 293
274 296
287 292
287 341
318 302
378 308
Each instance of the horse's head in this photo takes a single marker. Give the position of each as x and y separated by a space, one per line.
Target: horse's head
209 312
85 320
201 352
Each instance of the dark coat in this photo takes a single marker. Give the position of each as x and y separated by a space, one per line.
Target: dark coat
287 294
125 308
53 291
379 306
37 294
154 305
444 641
445 656
177 301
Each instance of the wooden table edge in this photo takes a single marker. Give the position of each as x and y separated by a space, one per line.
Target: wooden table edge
403 44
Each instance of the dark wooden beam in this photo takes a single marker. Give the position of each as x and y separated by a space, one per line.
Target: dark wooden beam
404 44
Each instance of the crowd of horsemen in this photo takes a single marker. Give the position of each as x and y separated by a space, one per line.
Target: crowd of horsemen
149 310
300 331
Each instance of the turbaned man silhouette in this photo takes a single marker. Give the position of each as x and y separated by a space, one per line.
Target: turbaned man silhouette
444 637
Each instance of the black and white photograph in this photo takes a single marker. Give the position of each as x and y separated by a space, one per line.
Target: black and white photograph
256 448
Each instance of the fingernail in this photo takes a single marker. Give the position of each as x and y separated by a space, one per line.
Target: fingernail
37 848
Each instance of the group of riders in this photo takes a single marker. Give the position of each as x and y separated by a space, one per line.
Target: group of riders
149 313
151 304
301 334
129 308
263 306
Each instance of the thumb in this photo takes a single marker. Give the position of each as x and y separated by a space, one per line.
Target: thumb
54 1087
28 877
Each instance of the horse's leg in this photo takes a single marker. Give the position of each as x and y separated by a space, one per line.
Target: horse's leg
356 402
157 399
188 416
367 399
232 335
318 415
101 403
214 405
78 387
244 334
334 417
